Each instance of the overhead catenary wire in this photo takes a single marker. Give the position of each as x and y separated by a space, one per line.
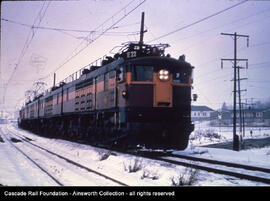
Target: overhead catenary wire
198 21
241 49
213 60
203 41
201 82
103 30
66 30
230 23
27 43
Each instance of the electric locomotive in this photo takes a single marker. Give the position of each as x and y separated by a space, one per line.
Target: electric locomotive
137 97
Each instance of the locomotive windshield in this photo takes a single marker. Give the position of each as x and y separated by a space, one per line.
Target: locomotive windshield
142 73
145 73
181 76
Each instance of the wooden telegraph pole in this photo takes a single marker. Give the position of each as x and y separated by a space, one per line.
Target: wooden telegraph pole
235 36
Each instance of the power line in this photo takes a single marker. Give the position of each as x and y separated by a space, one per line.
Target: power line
203 41
260 87
198 21
214 79
126 25
102 29
241 49
66 30
27 43
215 71
222 26
259 81
202 82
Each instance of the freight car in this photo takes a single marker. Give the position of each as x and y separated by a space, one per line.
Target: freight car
138 97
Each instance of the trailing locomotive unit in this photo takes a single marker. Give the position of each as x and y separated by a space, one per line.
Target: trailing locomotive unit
138 97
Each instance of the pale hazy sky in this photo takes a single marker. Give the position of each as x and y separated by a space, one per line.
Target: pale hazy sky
37 53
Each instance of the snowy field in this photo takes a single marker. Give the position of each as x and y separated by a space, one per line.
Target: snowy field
19 171
205 134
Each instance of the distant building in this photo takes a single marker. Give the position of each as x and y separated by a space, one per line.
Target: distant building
200 113
251 116
266 117
5 117
3 121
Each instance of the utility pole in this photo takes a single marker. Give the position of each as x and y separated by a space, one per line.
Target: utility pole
243 118
239 101
235 36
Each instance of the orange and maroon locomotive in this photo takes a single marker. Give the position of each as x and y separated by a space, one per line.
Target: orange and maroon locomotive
138 97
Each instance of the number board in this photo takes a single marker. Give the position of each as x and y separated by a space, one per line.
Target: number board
131 54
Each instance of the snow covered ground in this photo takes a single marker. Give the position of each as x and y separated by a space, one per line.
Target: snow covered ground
205 134
19 171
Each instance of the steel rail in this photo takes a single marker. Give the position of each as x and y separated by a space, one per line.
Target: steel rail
70 161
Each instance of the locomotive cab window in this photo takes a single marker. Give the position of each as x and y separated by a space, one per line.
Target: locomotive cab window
142 73
180 77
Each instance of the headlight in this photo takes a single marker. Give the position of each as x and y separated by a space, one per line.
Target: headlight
124 94
163 75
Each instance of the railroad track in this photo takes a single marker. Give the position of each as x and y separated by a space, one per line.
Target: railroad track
57 160
11 142
252 173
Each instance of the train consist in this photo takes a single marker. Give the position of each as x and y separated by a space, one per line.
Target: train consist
138 97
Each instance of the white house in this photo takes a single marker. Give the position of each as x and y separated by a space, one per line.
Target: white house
201 113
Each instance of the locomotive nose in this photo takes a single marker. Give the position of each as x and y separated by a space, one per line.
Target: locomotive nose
162 89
